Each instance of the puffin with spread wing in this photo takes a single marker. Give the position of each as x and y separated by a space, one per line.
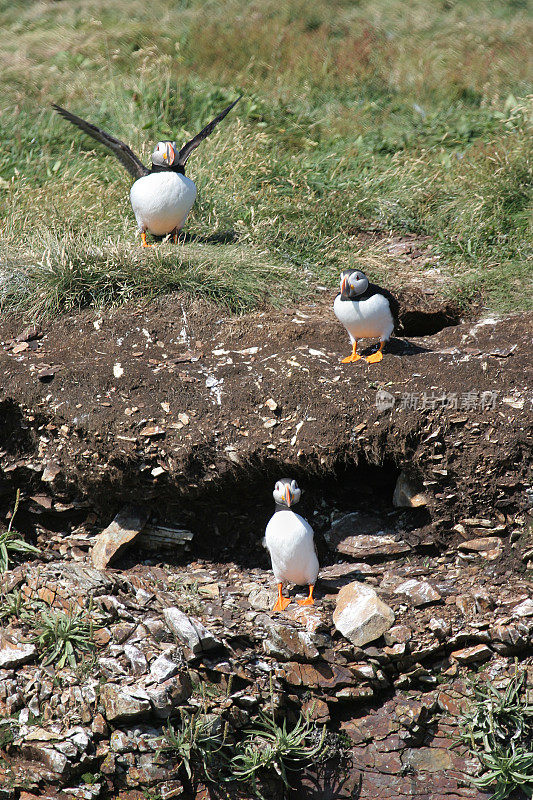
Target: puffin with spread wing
162 196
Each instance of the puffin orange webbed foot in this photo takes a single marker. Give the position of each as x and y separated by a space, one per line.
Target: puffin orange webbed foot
308 601
282 602
353 357
143 240
377 356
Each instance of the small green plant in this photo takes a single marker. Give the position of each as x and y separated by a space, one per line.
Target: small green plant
498 731
12 605
188 596
11 541
64 635
90 778
7 733
271 748
199 744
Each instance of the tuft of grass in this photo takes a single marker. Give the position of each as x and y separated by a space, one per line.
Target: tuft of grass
12 605
7 732
498 731
63 273
11 541
63 637
198 743
269 748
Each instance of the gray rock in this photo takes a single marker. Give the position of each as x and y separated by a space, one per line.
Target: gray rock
137 659
262 599
190 631
13 653
480 545
50 472
86 578
163 668
123 704
167 696
286 641
471 655
121 742
53 761
337 575
523 609
361 536
67 748
360 615
428 759
419 593
157 628
126 526
79 737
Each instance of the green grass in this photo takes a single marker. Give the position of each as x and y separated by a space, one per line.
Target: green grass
497 728
12 542
403 116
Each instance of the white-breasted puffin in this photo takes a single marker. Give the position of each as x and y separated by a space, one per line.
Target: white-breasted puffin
162 196
290 542
367 312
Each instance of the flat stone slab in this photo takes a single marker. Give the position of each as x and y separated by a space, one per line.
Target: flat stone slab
419 593
126 526
360 535
14 654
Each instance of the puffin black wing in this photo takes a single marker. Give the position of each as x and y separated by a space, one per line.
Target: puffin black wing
187 149
126 156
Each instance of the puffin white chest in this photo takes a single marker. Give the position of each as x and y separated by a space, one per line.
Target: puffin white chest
289 539
161 201
370 318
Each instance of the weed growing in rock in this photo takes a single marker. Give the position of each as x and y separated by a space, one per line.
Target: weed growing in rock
498 731
7 733
271 748
12 605
11 541
198 742
63 636
188 596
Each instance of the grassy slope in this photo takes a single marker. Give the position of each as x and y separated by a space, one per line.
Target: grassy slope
406 114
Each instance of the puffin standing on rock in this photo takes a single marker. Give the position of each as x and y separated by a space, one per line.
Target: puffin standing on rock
367 312
289 540
162 196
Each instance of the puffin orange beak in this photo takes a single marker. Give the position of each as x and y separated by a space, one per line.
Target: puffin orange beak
171 154
288 496
344 284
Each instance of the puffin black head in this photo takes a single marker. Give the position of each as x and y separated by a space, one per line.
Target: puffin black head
165 156
353 283
286 492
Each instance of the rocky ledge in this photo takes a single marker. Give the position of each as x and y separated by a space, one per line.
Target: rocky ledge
146 481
